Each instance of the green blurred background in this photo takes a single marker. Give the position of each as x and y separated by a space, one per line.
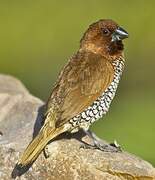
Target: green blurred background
38 36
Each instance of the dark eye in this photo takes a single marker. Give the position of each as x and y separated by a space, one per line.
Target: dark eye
106 32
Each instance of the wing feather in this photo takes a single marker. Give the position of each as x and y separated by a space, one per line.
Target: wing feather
80 83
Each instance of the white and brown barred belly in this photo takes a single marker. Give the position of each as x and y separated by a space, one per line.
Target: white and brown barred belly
101 106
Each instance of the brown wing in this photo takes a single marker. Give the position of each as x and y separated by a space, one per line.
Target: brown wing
81 82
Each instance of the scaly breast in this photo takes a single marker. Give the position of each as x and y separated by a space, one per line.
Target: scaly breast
101 106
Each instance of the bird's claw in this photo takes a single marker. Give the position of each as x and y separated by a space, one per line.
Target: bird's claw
87 146
116 145
46 152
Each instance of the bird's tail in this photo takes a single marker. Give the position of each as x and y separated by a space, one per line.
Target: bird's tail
37 144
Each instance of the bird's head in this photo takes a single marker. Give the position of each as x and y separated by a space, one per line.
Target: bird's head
105 37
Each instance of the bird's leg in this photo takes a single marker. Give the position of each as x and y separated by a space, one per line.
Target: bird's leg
98 144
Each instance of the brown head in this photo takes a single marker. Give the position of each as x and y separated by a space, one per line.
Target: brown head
104 37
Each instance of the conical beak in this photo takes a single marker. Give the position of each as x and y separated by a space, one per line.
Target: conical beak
119 34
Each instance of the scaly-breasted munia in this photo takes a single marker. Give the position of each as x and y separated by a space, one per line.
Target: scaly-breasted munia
85 86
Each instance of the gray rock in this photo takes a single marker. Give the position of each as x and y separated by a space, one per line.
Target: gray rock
21 117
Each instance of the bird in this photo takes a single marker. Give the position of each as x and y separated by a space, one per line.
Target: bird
85 87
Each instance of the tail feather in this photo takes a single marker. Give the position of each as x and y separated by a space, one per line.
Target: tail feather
37 145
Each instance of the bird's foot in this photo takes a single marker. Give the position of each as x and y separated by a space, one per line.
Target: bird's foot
99 144
46 152
112 147
116 145
87 146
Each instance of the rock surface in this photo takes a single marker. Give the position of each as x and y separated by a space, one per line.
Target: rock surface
21 114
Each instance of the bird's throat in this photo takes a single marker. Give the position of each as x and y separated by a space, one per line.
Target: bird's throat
110 52
116 48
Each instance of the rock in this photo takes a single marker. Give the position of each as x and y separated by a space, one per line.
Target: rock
18 111
21 117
